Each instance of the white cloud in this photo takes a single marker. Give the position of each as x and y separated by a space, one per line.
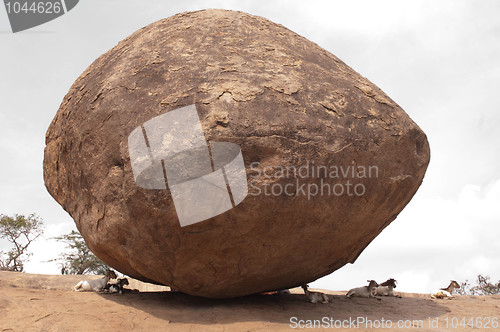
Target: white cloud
46 248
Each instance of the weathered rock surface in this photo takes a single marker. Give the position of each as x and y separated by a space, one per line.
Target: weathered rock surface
285 102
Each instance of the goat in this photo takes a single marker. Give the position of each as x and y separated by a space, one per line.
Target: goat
365 291
386 288
116 287
445 293
315 297
96 285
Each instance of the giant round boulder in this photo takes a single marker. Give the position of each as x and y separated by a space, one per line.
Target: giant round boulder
222 154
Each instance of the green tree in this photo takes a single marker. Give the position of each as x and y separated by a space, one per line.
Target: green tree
79 259
20 231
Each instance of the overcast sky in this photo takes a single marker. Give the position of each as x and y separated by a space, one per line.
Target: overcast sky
439 60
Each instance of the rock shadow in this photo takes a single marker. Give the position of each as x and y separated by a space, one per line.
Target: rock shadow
176 307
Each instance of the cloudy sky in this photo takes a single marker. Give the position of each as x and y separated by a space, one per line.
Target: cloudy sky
439 60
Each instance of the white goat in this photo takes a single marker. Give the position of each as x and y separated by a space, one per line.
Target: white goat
96 285
445 293
386 288
365 291
315 297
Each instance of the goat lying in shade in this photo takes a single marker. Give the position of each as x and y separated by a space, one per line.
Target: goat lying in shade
365 291
315 297
96 285
387 288
116 287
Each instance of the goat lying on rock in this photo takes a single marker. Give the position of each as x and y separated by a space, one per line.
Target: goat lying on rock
445 293
365 291
96 285
116 287
387 288
315 297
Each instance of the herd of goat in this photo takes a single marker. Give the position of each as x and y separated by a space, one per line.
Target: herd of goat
372 290
375 290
